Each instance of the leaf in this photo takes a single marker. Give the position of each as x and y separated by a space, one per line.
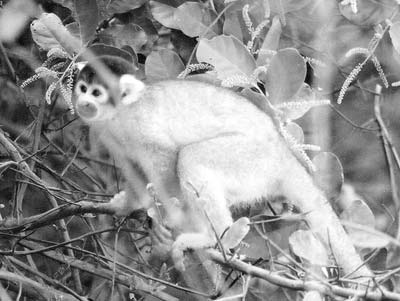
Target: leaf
122 6
359 213
235 234
234 23
13 18
285 75
259 10
296 131
329 174
49 32
271 42
194 20
73 28
302 241
394 33
228 55
66 3
285 6
370 12
304 100
164 14
102 49
42 36
163 64
259 101
119 35
234 26
87 14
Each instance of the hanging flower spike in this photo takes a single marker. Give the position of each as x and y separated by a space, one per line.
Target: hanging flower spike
66 88
378 68
41 72
246 18
195 67
307 104
57 52
297 149
237 80
313 61
50 91
374 59
350 78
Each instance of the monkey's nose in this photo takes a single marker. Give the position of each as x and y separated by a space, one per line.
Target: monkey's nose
86 109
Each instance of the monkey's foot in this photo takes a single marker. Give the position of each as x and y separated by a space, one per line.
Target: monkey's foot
186 241
161 240
236 233
120 203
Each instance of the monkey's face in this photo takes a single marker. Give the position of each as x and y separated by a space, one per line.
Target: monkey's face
93 102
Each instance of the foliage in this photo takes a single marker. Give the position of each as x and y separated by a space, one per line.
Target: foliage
287 57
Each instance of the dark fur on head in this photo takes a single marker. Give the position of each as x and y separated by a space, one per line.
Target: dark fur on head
116 65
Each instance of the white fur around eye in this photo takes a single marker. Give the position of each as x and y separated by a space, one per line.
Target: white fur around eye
81 88
99 93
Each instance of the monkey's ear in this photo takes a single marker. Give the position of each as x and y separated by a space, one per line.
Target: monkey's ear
130 88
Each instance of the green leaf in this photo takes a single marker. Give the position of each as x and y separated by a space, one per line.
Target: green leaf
359 213
73 28
119 35
66 3
304 100
302 241
271 42
259 10
122 6
87 14
48 32
369 12
14 16
286 6
163 64
102 49
236 233
329 174
194 20
164 14
234 25
228 55
285 75
394 33
296 131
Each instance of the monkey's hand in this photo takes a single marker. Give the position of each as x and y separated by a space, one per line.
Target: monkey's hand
193 241
232 238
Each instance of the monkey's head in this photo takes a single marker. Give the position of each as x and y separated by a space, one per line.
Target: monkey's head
98 97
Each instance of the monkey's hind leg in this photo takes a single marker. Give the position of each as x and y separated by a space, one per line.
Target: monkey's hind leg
215 174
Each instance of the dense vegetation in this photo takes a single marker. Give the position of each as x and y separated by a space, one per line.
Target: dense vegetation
327 71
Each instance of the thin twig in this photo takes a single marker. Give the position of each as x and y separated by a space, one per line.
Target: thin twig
9 66
387 146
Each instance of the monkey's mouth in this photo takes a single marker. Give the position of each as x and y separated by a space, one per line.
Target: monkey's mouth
87 110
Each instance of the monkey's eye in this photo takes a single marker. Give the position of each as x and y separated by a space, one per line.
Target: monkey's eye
81 88
96 92
99 93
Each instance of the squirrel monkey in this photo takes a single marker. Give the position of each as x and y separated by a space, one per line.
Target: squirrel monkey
206 146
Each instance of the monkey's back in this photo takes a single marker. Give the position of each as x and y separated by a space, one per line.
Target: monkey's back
185 112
